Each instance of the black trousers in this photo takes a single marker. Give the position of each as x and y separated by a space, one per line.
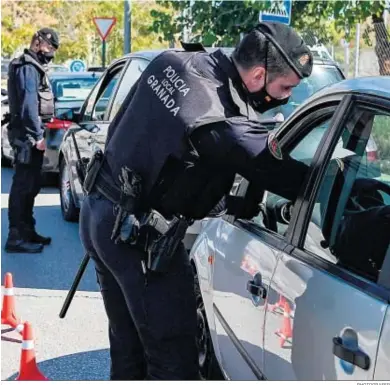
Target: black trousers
152 317
26 184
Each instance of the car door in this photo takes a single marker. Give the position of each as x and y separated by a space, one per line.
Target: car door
93 123
246 256
332 294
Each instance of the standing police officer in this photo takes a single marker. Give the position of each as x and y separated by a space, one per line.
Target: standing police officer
186 128
31 103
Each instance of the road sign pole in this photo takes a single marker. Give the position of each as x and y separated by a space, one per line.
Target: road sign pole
104 54
127 26
104 26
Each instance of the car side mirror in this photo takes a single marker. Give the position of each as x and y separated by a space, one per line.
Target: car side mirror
4 92
90 127
70 115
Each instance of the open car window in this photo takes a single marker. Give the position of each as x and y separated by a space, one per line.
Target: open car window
275 210
350 221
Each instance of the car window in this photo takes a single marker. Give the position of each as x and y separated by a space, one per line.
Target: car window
321 77
133 72
276 210
98 100
102 102
350 222
72 89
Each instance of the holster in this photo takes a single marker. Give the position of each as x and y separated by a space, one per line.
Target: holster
81 169
92 170
23 151
162 248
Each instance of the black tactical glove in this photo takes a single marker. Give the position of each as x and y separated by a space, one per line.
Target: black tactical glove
241 207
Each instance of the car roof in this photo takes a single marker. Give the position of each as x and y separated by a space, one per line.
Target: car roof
73 75
151 54
373 85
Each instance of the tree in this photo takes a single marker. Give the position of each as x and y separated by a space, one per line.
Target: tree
221 22
73 21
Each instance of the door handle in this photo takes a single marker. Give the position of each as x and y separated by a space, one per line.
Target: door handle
255 287
256 290
354 357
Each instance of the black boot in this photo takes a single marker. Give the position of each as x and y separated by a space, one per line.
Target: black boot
33 237
17 244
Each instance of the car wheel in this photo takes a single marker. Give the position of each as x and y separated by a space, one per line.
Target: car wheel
208 364
68 208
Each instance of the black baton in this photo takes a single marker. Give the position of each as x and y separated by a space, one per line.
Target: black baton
84 262
75 284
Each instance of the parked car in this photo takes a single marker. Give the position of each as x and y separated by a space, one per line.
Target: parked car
301 291
70 90
57 68
96 114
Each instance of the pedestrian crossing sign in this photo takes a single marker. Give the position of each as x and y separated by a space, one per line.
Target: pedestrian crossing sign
278 11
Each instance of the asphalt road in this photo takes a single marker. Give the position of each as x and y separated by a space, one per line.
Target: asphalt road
74 348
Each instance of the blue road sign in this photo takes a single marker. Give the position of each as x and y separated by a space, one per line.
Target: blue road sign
77 66
279 11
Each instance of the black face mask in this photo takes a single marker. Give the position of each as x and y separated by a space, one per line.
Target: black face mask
262 101
45 57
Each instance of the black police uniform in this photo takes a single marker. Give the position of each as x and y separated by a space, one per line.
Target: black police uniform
31 103
180 95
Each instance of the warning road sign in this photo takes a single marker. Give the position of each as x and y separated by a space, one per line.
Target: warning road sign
278 11
104 25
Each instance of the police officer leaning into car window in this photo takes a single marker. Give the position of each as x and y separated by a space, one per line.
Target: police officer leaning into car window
186 128
31 104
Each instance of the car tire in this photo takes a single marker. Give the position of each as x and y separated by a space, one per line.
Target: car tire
68 208
208 365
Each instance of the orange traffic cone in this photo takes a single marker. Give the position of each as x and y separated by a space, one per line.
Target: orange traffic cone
286 332
28 366
8 315
278 305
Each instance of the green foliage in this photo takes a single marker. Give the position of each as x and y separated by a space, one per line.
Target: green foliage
221 22
381 134
74 22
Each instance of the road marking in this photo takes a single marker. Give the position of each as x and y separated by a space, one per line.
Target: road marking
40 200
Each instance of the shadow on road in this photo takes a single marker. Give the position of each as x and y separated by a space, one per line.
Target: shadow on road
50 182
85 366
56 267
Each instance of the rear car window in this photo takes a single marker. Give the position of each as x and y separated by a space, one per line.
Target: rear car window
73 89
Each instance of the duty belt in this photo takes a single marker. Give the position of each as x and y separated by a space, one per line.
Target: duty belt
160 238
105 185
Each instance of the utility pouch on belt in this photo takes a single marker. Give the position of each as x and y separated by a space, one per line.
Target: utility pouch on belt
92 171
163 248
126 227
23 151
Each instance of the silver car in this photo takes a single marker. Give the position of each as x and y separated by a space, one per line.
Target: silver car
301 291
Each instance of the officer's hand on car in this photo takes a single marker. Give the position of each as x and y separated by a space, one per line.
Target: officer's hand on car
41 145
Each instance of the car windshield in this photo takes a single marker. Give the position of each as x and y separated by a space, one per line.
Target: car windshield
72 88
321 77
